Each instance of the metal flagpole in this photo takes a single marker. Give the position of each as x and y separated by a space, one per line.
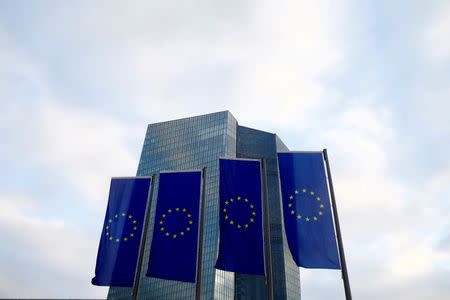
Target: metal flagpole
267 248
198 282
234 287
137 279
348 294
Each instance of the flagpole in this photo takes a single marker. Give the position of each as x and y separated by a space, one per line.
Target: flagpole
198 282
267 246
137 280
234 287
348 294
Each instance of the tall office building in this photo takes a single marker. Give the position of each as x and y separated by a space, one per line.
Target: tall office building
194 143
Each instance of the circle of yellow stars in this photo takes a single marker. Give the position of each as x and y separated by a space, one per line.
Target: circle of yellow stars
303 195
229 219
125 238
163 222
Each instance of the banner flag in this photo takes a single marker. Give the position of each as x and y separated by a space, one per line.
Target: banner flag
307 214
121 234
173 254
241 228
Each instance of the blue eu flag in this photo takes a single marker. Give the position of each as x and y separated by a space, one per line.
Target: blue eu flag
174 249
241 235
121 234
306 208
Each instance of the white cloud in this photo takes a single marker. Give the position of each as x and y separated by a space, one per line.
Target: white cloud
82 147
384 219
65 144
259 61
439 182
38 250
435 41
433 104
61 139
281 82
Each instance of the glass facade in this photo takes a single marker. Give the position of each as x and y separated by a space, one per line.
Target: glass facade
194 143
253 143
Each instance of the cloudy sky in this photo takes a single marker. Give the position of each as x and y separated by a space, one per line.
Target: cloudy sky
370 81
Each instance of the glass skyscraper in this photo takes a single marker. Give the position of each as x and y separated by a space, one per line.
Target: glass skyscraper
194 143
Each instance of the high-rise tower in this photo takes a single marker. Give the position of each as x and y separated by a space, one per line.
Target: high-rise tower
194 143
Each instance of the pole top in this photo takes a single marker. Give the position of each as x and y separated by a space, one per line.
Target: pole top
325 154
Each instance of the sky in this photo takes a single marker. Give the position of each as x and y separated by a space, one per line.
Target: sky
368 80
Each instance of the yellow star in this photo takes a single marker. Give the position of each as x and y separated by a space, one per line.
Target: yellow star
318 198
226 217
190 222
290 204
177 209
184 209
315 218
130 216
246 225
299 217
312 193
107 227
292 212
239 197
169 210
252 220
251 206
321 205
188 229
238 226
162 229
107 233
123 214
116 215
307 219
226 202
296 192
304 190
132 234
167 234
110 238
182 233
320 213
134 228
231 199
224 210
253 213
189 215
291 197
160 222
231 222
134 221
246 200
110 221
174 236
125 239
163 215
